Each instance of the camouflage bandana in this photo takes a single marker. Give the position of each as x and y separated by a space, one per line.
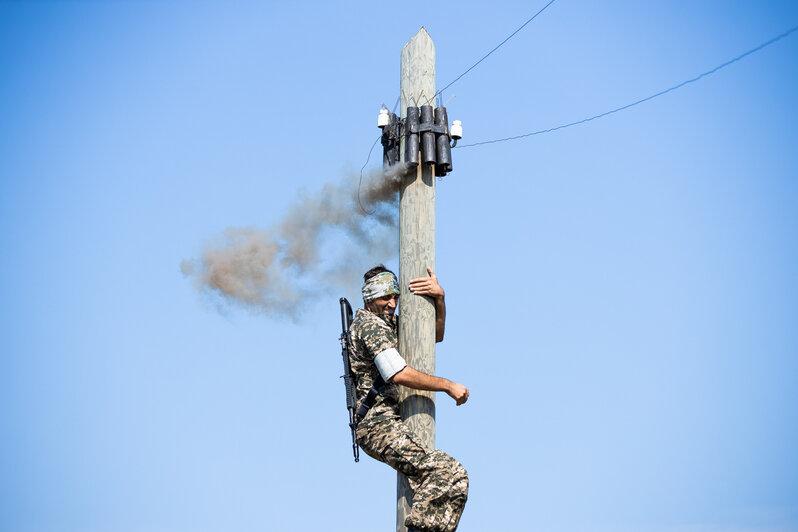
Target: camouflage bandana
380 285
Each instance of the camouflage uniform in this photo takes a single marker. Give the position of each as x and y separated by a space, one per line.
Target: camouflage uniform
439 482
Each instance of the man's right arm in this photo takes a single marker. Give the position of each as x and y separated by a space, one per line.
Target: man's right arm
413 378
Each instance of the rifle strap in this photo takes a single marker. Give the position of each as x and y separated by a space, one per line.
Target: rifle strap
370 399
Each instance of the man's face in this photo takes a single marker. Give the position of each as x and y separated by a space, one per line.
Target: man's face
385 305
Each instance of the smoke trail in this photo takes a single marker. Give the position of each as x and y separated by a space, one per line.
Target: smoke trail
277 271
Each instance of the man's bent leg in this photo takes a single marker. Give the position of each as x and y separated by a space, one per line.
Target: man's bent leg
384 437
439 483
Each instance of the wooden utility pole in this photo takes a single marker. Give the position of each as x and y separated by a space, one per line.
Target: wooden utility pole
416 253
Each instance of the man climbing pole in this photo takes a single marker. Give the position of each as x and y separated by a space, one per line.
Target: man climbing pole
438 481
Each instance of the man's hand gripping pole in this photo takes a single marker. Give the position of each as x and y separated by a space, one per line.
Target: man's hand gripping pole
351 402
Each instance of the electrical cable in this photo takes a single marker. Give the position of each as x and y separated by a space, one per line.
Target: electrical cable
627 106
469 69
360 182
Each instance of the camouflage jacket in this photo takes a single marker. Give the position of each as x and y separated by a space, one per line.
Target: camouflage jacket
372 334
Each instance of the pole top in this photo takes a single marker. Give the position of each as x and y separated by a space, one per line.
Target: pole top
420 39
417 81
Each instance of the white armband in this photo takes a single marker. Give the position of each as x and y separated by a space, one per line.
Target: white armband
389 363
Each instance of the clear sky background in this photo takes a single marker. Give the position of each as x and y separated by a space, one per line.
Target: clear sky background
622 295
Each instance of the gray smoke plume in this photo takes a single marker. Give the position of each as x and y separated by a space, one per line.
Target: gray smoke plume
279 270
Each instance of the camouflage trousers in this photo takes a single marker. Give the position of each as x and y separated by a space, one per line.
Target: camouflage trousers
439 482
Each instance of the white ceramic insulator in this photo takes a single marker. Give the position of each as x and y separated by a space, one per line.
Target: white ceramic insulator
457 129
383 120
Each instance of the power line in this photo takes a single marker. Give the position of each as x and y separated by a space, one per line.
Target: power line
360 182
627 106
469 69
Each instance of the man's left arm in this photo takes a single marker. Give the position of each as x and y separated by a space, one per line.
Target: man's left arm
428 286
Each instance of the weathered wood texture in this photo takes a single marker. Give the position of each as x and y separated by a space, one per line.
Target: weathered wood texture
416 253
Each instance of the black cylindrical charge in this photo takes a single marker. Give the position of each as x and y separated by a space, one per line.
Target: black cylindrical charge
411 139
427 137
442 143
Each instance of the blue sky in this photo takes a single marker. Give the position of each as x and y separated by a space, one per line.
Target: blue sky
621 295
